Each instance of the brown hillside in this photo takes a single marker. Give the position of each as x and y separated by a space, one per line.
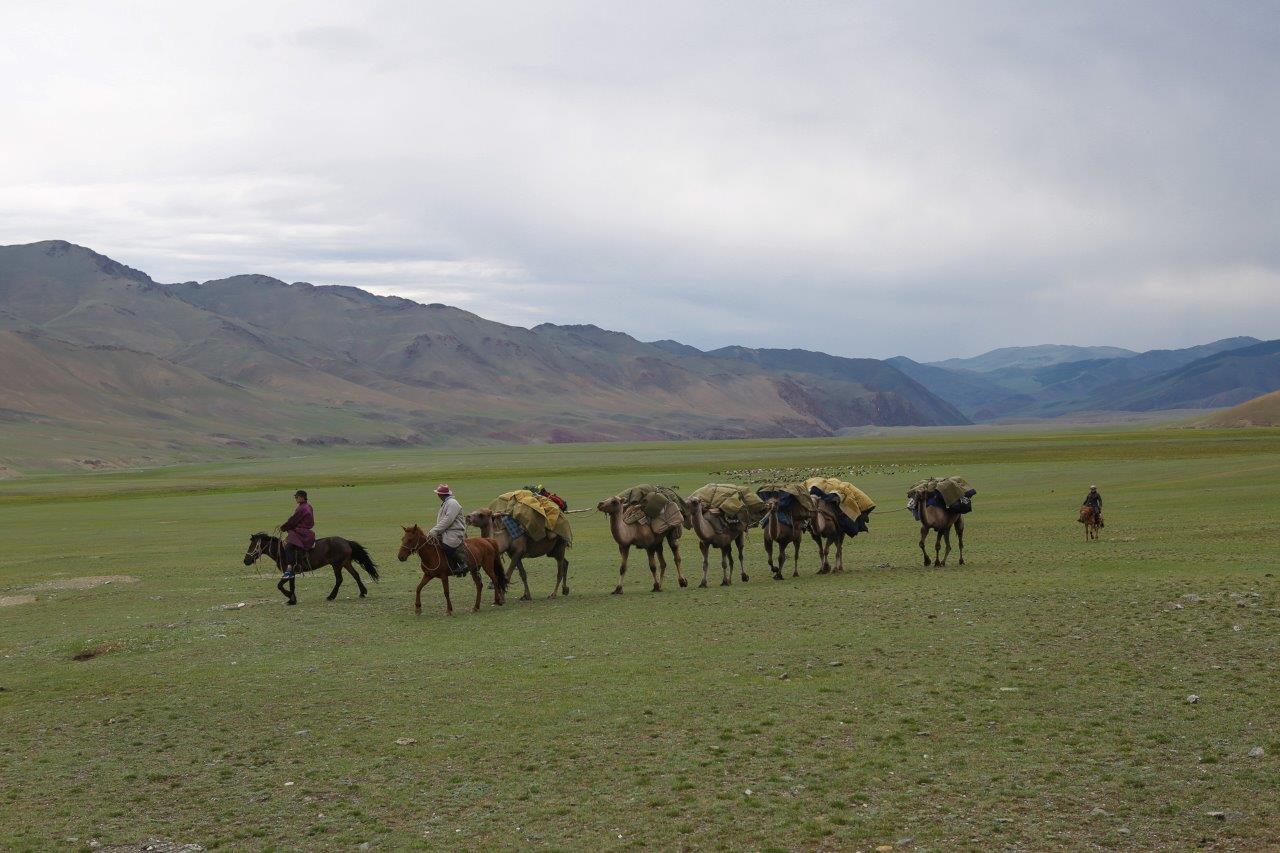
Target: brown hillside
1261 411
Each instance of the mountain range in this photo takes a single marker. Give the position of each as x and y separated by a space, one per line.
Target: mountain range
102 365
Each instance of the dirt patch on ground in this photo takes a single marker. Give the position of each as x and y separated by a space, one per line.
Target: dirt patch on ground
83 583
95 651
15 600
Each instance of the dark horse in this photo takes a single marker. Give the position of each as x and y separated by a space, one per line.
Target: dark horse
330 551
481 554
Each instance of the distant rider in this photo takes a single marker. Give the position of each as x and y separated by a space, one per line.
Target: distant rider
450 530
299 527
1094 501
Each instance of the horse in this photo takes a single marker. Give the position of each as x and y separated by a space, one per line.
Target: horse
329 551
1092 522
483 553
942 520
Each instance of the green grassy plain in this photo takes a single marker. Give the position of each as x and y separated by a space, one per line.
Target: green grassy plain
1035 698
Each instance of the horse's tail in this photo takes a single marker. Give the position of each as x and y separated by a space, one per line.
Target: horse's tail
499 576
361 556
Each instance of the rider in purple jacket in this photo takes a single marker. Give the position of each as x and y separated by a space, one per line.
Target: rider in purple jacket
299 527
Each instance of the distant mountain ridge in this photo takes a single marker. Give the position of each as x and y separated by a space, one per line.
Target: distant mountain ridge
249 359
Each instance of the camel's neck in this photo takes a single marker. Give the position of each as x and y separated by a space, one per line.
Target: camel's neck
701 525
620 532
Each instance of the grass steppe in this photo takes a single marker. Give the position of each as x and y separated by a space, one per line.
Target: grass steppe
1035 698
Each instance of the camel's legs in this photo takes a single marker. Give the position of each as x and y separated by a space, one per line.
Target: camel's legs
795 565
839 553
742 560
675 552
824 546
662 564
726 565
337 582
768 551
518 564
959 538
624 550
417 599
653 570
704 547
924 534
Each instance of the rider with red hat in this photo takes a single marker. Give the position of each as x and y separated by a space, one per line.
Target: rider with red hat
450 530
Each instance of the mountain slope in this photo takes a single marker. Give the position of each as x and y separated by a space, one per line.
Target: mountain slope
348 365
1042 355
1261 411
1224 379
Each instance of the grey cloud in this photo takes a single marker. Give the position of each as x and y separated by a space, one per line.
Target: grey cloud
712 172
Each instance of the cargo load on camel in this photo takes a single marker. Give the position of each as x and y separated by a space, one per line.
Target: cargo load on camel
795 504
727 503
853 505
661 507
951 493
536 515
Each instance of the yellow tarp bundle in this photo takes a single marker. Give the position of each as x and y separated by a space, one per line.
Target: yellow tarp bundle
853 501
539 516
734 502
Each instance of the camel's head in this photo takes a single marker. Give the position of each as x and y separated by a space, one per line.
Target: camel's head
413 537
609 506
481 518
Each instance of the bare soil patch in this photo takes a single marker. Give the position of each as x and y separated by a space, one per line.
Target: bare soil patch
95 651
83 583
15 600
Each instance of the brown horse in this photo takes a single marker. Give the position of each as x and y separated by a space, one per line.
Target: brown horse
483 554
784 533
523 546
942 520
329 551
1091 521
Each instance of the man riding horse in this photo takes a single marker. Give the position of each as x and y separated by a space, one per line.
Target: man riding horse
450 530
1093 500
300 528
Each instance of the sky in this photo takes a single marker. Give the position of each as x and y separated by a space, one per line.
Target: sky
867 179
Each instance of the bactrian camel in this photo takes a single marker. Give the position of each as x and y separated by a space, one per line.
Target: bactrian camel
640 535
523 546
942 520
784 533
826 530
725 538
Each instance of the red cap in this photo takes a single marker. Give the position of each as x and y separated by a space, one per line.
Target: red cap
443 489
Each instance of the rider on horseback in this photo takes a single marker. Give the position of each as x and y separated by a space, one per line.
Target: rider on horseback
450 530
299 527
1093 500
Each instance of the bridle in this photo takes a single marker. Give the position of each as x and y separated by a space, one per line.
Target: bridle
260 545
421 543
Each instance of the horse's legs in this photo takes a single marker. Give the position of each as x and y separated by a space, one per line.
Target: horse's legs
337 582
448 602
959 538
924 534
622 570
280 586
675 552
742 560
475 576
703 547
364 590
293 595
417 598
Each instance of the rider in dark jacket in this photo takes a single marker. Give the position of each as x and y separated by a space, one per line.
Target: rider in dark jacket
1094 500
300 529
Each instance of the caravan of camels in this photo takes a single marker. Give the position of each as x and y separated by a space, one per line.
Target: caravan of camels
534 522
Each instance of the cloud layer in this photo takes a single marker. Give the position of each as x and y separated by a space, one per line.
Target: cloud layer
931 179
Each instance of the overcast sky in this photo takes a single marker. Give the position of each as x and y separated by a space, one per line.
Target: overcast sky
932 179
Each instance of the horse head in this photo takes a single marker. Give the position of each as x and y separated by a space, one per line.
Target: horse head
411 541
258 545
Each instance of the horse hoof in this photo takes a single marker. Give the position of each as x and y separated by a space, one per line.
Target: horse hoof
702 585
726 583
657 588
565 591
528 597
617 591
745 578
330 597
962 561
292 601
363 594
777 576
683 582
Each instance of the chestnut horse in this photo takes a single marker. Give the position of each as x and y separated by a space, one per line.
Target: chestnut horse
329 551
482 553
1089 518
